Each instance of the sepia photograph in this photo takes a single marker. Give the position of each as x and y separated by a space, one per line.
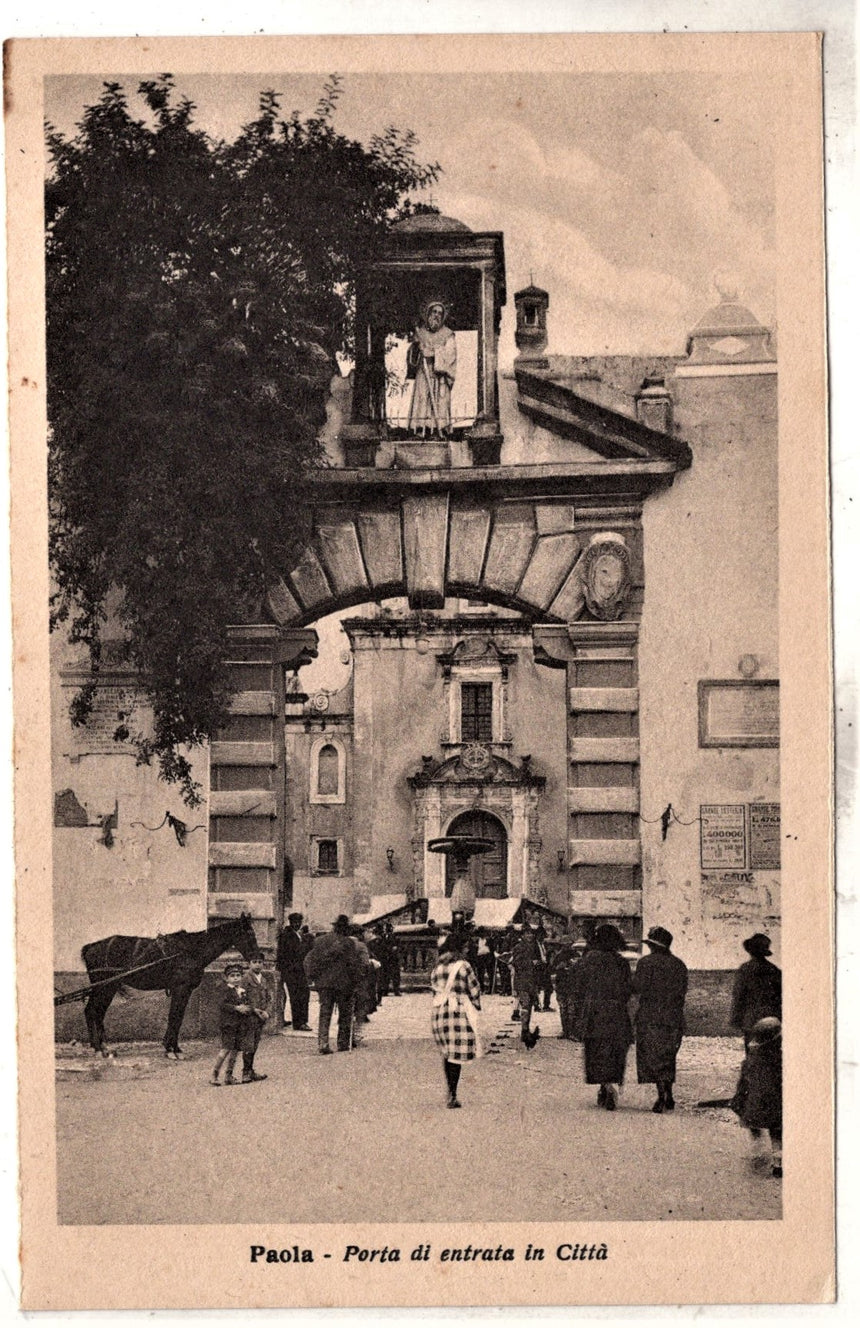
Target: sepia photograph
415 754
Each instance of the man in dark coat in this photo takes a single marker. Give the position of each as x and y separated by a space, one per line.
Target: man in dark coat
603 989
289 962
543 975
335 968
661 985
392 959
524 961
565 988
757 991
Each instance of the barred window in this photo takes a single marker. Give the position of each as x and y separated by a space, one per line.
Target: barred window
327 855
476 712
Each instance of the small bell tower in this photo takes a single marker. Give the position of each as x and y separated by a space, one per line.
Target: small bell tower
531 304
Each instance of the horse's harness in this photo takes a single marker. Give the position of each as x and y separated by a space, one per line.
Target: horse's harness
139 958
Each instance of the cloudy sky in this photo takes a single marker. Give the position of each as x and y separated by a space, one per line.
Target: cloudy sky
624 195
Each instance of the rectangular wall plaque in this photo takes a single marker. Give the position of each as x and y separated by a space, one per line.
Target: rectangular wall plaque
764 836
723 836
733 713
113 709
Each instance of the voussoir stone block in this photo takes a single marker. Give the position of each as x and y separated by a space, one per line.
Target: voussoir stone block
283 604
381 545
342 555
425 540
469 528
510 548
552 559
310 581
570 600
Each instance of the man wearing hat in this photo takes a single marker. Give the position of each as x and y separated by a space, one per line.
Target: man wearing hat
289 962
335 967
660 982
757 991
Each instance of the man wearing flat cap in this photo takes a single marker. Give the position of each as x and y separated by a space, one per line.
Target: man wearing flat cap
757 991
660 982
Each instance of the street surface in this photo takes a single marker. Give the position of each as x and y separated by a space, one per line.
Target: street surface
366 1136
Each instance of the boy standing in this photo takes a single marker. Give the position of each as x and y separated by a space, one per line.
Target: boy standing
235 1021
257 995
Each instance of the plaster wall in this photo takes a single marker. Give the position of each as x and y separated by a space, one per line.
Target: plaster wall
319 898
146 883
400 716
711 564
527 443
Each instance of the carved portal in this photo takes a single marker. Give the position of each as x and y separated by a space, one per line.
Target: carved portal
606 575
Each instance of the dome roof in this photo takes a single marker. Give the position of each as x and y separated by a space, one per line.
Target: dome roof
429 221
726 317
533 292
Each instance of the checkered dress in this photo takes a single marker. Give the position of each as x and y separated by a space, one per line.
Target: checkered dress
452 1031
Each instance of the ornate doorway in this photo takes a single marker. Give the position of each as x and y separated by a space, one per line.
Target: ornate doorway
488 872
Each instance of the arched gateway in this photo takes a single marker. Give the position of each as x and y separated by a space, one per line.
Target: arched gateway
530 500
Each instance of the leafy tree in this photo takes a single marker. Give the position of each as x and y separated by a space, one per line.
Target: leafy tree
198 292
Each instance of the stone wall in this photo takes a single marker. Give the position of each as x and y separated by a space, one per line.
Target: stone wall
711 565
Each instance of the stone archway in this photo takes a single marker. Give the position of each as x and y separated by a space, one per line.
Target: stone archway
488 872
513 536
521 537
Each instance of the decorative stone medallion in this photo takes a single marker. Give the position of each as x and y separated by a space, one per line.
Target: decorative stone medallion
606 575
476 758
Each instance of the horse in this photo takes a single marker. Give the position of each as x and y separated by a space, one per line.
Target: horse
173 963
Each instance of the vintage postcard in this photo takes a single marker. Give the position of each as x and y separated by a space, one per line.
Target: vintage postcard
422 671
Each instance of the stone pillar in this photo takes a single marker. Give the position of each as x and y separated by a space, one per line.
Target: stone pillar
518 858
248 779
434 863
604 849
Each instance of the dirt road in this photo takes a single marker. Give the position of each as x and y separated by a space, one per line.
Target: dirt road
366 1136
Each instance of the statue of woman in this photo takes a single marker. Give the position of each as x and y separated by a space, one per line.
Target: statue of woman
432 363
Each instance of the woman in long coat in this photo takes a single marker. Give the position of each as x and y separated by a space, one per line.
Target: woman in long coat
456 1000
602 992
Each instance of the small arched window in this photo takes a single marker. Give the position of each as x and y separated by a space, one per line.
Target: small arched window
328 763
328 770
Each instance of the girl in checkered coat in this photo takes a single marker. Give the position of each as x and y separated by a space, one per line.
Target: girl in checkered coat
456 1000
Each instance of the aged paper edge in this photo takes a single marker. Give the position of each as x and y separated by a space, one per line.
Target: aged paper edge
652 1263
